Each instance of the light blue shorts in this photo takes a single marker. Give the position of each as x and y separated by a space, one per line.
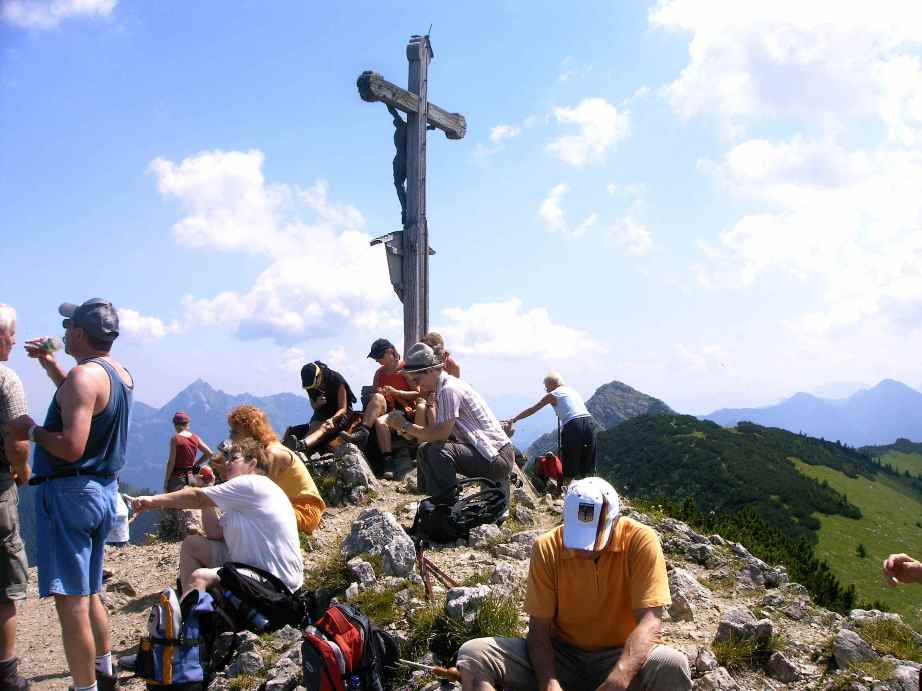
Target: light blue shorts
73 518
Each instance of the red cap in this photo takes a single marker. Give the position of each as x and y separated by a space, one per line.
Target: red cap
181 417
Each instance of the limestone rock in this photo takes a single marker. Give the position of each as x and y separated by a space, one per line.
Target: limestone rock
684 582
751 574
858 617
718 680
503 574
352 591
352 469
524 515
780 668
848 647
377 532
523 497
739 623
246 663
705 661
527 537
123 587
905 678
776 576
284 675
361 571
463 602
512 550
482 536
704 554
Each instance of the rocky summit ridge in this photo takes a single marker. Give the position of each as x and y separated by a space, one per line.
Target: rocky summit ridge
740 621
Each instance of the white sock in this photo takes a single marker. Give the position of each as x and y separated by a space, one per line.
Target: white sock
91 687
104 664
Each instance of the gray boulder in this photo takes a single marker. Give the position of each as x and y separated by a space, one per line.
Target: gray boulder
377 532
780 668
464 602
361 571
752 575
904 678
705 661
705 554
503 574
512 550
858 617
249 662
718 680
352 469
482 536
849 647
685 591
524 515
523 497
738 623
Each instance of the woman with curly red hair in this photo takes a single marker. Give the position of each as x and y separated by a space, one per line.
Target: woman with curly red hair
284 467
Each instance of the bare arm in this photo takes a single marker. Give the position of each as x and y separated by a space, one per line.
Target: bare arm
47 360
77 399
170 463
185 498
439 432
636 648
528 412
342 401
213 530
204 448
17 454
541 653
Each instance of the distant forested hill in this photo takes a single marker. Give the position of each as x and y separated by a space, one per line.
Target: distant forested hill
611 404
728 470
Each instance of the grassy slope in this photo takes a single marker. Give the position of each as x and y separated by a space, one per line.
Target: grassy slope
888 525
903 461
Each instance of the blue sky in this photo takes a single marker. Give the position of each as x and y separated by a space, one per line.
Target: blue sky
717 203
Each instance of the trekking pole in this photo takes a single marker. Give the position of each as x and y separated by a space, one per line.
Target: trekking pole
451 673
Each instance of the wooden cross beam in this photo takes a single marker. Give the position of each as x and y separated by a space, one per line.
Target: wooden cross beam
408 250
373 88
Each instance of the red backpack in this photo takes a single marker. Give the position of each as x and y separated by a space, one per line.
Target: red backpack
344 651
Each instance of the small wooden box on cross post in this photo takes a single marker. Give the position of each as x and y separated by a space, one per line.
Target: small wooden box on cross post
408 250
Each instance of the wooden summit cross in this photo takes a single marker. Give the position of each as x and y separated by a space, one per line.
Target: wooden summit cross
407 250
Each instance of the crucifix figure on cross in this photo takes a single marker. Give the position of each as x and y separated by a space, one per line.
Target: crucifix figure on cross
407 250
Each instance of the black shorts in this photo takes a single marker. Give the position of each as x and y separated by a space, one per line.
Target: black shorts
577 448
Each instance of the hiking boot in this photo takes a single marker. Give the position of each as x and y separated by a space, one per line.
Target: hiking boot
106 682
402 466
359 437
10 678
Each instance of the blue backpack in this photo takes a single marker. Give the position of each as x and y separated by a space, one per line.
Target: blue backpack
177 652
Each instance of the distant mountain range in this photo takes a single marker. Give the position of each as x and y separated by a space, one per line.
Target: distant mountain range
871 416
611 404
151 428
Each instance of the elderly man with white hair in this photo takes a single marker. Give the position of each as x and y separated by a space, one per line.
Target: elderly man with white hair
577 437
14 470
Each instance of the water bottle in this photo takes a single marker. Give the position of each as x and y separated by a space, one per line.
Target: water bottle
355 683
255 621
50 345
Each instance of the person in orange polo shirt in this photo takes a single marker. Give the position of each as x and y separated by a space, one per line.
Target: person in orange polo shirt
597 586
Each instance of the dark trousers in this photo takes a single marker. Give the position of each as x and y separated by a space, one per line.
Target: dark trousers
443 461
577 448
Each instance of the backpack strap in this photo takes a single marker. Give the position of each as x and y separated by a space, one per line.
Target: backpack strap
234 566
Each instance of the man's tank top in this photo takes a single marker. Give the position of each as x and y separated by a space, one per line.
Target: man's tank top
186 449
105 447
568 404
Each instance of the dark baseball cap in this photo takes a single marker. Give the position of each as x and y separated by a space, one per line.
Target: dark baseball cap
379 347
96 316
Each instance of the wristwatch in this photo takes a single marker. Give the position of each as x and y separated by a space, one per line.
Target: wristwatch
31 433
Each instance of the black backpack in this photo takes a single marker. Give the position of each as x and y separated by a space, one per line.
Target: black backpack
343 649
448 516
258 600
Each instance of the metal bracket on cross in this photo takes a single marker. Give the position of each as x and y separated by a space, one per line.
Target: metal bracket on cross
393 250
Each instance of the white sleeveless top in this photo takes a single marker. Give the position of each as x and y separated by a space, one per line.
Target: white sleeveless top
568 404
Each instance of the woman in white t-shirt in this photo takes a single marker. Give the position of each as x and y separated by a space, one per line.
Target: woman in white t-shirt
258 525
577 436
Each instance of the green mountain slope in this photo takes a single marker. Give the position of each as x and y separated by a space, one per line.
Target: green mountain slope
728 470
891 522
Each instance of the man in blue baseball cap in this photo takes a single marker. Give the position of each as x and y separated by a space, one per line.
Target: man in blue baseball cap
79 450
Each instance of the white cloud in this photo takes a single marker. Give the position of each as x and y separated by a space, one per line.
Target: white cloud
601 125
47 14
500 132
319 276
632 237
553 217
821 59
506 330
139 328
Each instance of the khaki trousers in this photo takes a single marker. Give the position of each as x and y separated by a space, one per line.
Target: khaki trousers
504 663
